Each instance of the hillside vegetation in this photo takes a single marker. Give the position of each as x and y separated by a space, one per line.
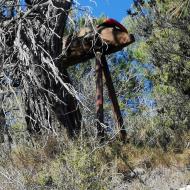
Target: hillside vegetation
152 82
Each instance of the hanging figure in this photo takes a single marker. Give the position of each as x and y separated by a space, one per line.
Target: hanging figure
108 37
114 33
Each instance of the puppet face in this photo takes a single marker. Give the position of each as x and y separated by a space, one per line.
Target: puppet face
116 37
122 38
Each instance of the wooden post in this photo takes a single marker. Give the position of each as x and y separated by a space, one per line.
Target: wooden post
113 97
99 95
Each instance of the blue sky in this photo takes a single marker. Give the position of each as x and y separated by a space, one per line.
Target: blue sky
112 8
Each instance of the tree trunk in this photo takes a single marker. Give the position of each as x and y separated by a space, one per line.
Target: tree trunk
51 95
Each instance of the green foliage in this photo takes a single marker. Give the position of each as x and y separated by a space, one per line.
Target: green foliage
161 30
140 52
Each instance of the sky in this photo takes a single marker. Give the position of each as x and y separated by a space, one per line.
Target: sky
116 9
112 8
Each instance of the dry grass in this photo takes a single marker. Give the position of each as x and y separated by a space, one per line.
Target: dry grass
57 164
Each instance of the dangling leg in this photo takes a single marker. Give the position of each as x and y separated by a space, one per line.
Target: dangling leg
113 98
99 95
